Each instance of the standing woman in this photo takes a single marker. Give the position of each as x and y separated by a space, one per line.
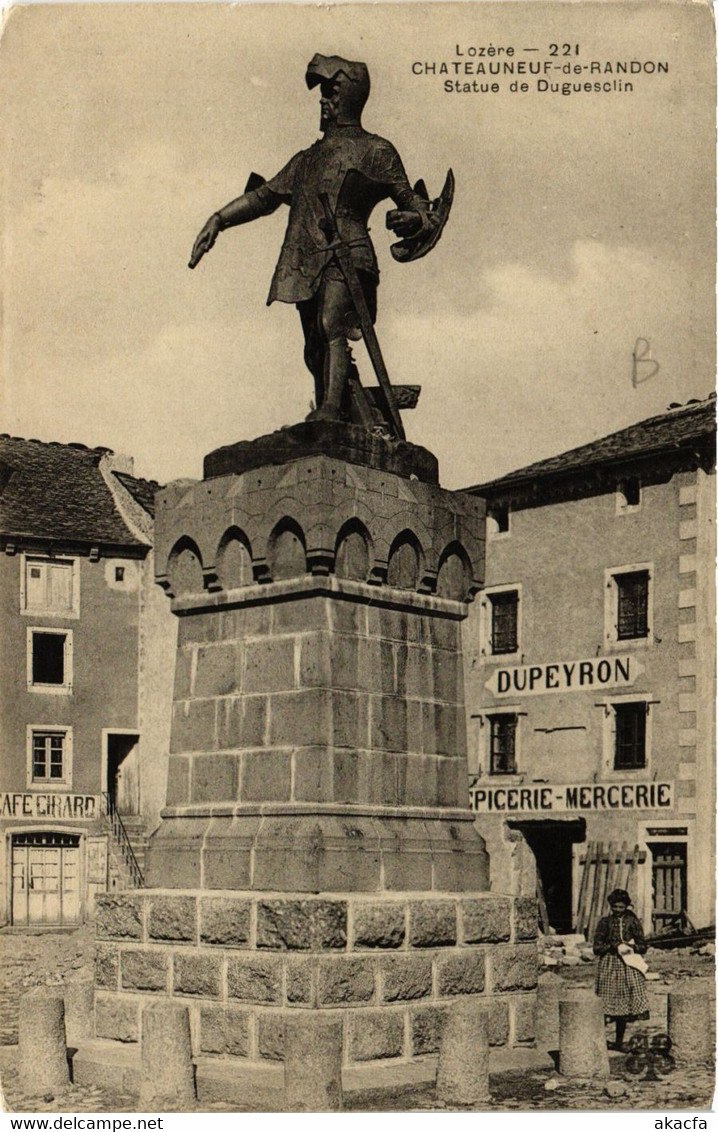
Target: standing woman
622 988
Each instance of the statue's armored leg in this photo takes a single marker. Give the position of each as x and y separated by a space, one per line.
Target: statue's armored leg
314 346
333 318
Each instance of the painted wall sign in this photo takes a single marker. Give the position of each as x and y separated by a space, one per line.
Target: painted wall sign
564 676
563 798
80 807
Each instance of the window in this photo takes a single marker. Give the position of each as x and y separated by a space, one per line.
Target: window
50 750
49 586
119 573
502 744
504 621
632 605
628 495
630 736
499 516
49 660
629 601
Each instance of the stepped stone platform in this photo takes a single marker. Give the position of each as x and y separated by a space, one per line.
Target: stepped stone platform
387 965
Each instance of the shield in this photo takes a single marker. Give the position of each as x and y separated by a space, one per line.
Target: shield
414 247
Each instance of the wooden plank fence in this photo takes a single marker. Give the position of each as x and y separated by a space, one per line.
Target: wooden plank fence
604 866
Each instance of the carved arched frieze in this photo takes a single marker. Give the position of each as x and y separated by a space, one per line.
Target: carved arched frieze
286 550
405 565
185 571
234 559
353 551
454 574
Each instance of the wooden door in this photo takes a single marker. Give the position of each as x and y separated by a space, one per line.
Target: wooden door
45 879
669 885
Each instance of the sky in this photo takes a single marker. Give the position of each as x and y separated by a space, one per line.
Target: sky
581 223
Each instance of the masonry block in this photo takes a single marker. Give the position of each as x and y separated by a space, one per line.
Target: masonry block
461 974
254 979
487 920
526 918
422 780
214 778
348 617
224 1031
499 1026
388 723
349 720
270 1035
197 974
216 672
432 923
299 982
406 977
513 968
313 778
301 616
177 780
266 776
302 925
523 1010
173 918
224 921
375 1035
144 970
183 673
193 726
241 722
117 1019
118 917
300 719
443 730
345 981
426 1026
269 665
315 668
107 966
379 925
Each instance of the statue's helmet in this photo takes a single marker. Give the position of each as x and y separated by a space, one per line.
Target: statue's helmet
351 83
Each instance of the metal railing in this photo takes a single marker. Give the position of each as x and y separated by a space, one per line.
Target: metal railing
123 842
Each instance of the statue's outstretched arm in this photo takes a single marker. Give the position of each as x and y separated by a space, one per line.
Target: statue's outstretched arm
260 202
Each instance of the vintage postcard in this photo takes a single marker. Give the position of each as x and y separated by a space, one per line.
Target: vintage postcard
358 668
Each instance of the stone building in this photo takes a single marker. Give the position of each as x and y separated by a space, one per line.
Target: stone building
85 678
591 674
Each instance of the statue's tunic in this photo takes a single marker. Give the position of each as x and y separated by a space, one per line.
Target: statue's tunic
356 170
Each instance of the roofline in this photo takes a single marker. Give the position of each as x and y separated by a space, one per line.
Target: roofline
24 541
522 477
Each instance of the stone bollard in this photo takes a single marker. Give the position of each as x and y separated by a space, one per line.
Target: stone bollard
167 1076
690 1025
313 1064
79 1002
582 1036
462 1077
42 1047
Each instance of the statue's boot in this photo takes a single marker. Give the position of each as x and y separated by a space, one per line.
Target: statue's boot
339 363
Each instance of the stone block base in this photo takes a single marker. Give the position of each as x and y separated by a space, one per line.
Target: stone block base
243 962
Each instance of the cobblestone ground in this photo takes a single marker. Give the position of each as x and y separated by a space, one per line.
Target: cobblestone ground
32 959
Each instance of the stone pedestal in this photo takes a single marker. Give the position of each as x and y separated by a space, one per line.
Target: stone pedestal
317 850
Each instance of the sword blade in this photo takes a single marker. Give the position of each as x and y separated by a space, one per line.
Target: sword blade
343 257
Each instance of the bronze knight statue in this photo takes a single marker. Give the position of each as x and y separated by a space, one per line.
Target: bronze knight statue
327 265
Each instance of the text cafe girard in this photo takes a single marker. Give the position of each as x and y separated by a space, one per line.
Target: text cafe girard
80 807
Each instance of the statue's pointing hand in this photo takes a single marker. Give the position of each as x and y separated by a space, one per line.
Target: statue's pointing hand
206 239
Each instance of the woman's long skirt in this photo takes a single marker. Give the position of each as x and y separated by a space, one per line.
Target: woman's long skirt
622 989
